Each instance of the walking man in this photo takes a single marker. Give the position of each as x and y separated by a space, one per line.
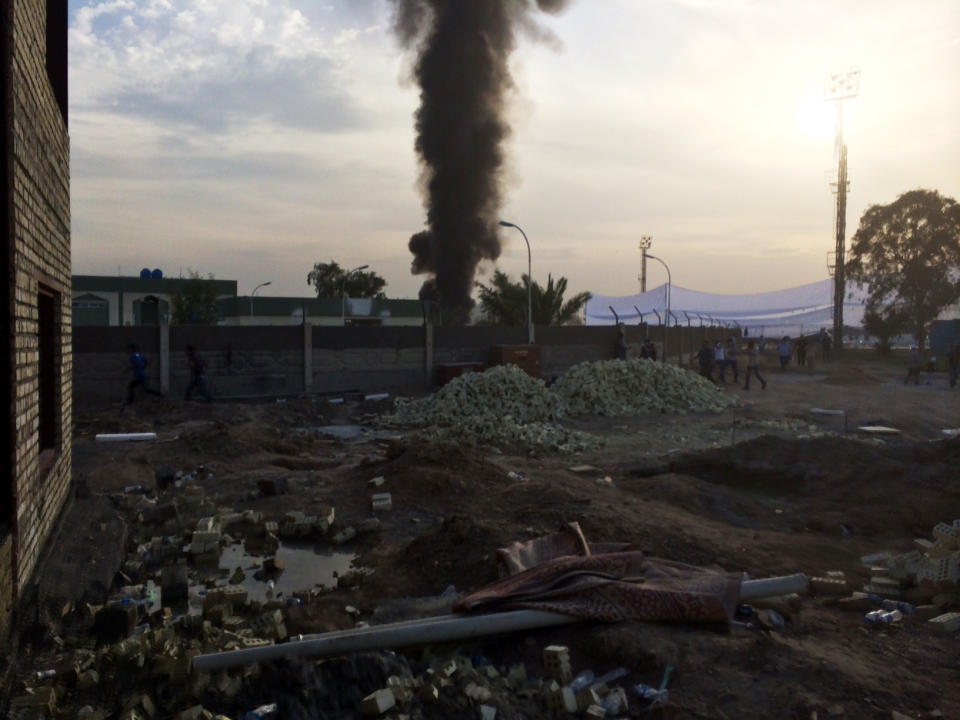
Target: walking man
705 358
138 370
719 362
730 358
785 350
198 377
753 366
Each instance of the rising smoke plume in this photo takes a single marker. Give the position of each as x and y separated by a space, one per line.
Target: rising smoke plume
463 47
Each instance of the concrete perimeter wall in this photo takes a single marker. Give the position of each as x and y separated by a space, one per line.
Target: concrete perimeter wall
280 360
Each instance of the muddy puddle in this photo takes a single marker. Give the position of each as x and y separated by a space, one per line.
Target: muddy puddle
306 567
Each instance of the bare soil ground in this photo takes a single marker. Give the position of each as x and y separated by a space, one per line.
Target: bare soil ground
768 489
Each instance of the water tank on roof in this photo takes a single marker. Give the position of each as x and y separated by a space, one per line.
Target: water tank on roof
157 274
145 274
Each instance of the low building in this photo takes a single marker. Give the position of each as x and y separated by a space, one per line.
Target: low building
112 300
315 311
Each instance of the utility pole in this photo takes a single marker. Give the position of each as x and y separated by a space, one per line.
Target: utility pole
645 242
839 271
840 86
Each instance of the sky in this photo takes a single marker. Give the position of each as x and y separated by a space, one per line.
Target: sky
252 138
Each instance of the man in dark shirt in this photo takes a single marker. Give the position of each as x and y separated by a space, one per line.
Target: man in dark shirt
705 358
138 370
198 377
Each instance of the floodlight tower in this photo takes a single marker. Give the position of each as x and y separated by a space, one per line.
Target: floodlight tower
645 242
839 87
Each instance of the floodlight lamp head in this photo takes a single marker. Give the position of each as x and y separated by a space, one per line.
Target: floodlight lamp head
504 223
841 85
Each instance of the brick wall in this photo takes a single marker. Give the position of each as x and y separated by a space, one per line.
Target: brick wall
39 260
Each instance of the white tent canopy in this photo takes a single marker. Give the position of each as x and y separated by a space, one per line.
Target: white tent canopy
803 309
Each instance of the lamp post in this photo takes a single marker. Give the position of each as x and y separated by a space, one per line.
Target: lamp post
343 293
669 286
504 223
264 284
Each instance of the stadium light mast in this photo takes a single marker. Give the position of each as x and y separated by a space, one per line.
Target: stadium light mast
645 242
840 86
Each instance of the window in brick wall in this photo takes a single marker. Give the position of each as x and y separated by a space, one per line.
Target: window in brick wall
48 371
57 52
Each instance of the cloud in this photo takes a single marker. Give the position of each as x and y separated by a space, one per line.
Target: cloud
209 66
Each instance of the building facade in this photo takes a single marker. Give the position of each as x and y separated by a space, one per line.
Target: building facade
35 290
116 300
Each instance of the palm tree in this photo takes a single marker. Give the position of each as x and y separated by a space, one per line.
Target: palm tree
504 302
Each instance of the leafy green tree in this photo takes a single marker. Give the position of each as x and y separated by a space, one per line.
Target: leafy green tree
196 301
504 302
908 254
328 280
883 322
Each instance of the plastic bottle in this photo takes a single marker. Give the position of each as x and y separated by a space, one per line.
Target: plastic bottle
609 677
904 607
262 713
269 591
582 680
649 693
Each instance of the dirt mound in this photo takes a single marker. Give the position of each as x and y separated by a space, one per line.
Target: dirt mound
850 376
877 491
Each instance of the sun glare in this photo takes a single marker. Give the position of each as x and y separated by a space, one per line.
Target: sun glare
815 118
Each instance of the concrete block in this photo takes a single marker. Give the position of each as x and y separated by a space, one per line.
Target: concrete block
926 612
39 698
368 525
477 693
829 586
382 502
556 663
595 712
923 545
488 712
376 482
945 534
947 623
208 524
377 702
325 518
274 564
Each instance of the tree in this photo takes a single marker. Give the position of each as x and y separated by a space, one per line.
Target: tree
504 302
883 323
328 280
908 254
196 301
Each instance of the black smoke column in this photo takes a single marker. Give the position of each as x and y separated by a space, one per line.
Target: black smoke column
463 49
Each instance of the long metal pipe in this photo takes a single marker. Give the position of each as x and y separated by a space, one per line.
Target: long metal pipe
445 628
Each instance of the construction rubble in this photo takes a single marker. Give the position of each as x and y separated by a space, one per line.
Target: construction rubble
506 406
924 582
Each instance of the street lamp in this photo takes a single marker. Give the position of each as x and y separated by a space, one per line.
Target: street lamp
504 223
254 293
669 286
343 293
